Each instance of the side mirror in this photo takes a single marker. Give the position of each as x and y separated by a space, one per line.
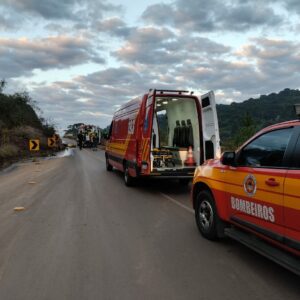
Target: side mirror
228 158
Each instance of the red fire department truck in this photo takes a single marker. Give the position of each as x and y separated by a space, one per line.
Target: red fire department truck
253 195
163 133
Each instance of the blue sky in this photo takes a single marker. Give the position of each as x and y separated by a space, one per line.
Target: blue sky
80 59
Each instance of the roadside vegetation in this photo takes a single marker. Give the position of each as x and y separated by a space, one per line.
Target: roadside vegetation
239 121
19 122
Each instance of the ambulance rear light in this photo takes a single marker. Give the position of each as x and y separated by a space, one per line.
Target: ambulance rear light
297 110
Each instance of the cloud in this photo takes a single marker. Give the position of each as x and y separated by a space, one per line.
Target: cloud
57 9
217 74
100 91
20 57
291 5
114 26
80 12
161 46
259 67
249 16
156 14
6 22
94 98
200 45
147 45
54 9
113 77
277 60
179 47
213 15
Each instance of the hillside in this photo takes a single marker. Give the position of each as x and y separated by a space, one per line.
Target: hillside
258 113
16 110
18 124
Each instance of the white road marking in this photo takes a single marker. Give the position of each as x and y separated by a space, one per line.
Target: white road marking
190 210
178 203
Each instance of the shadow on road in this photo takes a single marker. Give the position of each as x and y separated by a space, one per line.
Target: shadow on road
171 187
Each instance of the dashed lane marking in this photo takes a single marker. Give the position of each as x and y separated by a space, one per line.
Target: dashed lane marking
178 203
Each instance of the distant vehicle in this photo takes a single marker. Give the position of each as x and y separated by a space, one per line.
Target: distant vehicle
255 192
71 145
163 133
89 133
69 136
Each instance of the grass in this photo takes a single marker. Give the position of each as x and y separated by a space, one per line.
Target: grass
8 151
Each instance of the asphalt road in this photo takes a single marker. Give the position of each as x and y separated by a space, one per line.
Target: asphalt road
85 235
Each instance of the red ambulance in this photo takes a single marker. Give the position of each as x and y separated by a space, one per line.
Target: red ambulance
164 133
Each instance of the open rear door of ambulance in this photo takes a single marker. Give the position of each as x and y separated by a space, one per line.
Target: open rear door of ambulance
210 126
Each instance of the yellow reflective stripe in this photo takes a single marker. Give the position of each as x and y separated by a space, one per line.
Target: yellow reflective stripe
238 191
119 148
292 193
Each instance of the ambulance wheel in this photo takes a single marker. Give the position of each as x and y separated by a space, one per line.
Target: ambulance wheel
129 181
207 219
109 167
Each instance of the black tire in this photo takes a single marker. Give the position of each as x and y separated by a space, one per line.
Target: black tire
109 167
128 180
207 219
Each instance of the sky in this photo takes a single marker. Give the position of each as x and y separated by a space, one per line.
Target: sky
81 59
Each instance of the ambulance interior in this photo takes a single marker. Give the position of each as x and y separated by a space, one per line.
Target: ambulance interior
175 131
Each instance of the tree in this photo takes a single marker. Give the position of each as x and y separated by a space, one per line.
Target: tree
247 130
2 85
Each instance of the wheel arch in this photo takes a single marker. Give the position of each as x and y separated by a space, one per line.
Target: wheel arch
199 187
221 223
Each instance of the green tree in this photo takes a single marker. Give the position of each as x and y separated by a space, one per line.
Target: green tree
264 110
247 130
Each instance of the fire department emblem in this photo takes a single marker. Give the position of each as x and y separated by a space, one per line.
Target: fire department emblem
250 185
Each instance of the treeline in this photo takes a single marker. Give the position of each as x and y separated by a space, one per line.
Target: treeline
239 121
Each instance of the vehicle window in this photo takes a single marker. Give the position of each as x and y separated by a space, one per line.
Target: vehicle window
267 150
296 156
110 130
163 128
146 122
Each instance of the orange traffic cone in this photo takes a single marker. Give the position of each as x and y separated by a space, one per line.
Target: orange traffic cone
190 158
